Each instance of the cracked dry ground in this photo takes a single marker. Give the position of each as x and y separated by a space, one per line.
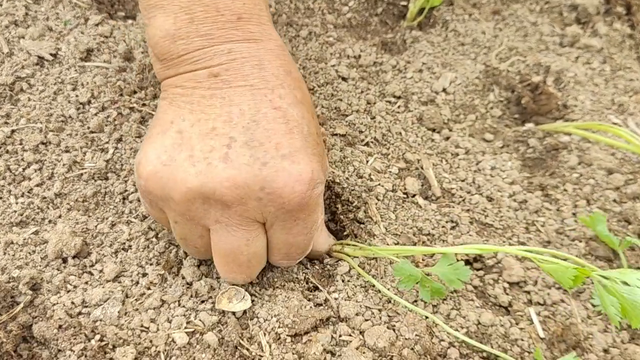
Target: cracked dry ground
105 282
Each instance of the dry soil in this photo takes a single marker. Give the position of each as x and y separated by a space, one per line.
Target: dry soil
103 281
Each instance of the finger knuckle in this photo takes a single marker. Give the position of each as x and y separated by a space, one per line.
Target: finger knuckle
299 186
145 169
288 260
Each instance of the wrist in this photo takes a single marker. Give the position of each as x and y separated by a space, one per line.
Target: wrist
190 36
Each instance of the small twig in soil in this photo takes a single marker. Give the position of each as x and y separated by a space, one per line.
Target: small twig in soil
81 4
142 109
3 44
250 349
30 232
78 173
536 323
10 129
180 330
15 310
427 169
333 304
494 54
265 345
578 321
633 126
96 64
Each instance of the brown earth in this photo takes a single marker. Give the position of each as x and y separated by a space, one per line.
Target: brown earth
105 282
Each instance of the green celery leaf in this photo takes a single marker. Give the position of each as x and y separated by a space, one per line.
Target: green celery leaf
571 356
630 277
538 355
629 299
627 242
408 274
453 273
607 303
597 222
431 290
568 277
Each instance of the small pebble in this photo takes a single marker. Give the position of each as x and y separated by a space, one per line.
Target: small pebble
96 125
512 272
211 339
504 300
573 161
488 137
379 337
111 271
343 268
453 353
370 99
412 185
443 82
616 181
180 338
125 353
487 318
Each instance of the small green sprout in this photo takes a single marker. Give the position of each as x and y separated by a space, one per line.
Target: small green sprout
626 139
570 356
418 9
538 355
597 222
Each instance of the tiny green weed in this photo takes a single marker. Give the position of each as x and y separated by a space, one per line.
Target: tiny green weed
418 9
597 222
538 355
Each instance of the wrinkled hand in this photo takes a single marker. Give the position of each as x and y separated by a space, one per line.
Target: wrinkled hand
233 162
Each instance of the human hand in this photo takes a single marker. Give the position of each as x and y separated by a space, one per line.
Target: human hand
233 162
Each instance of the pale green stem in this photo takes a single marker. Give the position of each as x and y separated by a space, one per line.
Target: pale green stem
416 309
355 249
623 259
559 254
599 138
618 131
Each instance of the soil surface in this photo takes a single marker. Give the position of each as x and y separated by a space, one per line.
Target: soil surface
100 280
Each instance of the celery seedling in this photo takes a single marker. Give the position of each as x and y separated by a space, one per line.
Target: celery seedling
626 139
597 222
617 292
418 9
537 355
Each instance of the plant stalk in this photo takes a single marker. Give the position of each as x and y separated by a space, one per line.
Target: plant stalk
417 310
576 129
355 249
623 259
